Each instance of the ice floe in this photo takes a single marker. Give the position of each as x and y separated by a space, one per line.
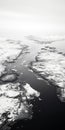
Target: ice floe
9 77
30 92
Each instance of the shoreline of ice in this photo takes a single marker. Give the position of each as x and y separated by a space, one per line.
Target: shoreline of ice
14 97
50 65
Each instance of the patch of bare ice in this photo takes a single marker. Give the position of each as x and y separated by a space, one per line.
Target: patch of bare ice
2 69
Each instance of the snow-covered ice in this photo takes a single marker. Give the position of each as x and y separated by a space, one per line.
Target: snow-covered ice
14 101
30 92
14 97
9 51
50 65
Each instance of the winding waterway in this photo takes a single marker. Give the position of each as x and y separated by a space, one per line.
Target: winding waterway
49 110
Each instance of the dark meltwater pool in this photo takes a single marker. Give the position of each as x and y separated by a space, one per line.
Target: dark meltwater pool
49 112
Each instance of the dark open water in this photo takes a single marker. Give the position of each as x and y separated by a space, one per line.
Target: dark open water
50 111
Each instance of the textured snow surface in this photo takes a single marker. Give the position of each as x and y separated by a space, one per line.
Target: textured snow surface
14 101
9 51
14 97
50 65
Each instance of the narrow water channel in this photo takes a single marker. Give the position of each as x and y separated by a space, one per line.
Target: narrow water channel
50 110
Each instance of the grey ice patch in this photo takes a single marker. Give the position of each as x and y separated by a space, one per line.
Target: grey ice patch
9 77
